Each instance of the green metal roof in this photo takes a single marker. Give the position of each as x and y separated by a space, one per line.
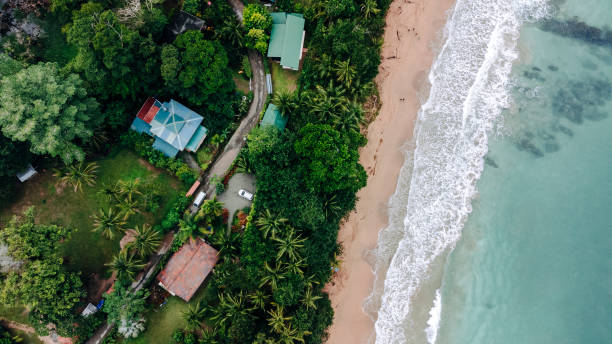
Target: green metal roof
273 117
286 38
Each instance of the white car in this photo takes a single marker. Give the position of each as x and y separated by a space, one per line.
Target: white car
245 194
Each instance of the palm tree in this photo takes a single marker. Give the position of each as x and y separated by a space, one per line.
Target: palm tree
289 335
285 101
227 244
146 240
229 308
231 32
277 318
110 192
128 207
296 266
369 8
345 73
324 66
259 299
331 207
269 223
309 299
129 188
188 228
272 275
210 210
289 245
78 174
209 336
125 266
108 222
194 316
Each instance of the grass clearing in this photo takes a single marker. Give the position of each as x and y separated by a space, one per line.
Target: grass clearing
283 79
163 321
87 251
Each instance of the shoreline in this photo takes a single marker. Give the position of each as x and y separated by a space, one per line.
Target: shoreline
412 29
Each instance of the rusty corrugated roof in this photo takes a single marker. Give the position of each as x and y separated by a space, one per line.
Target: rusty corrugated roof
188 268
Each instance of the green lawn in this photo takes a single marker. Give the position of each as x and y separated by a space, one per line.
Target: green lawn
163 321
87 251
283 79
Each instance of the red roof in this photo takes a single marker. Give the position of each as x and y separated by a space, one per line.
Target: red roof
188 268
148 110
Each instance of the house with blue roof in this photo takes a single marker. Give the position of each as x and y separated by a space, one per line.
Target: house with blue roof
174 126
287 39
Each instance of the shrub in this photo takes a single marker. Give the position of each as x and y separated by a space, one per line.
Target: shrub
141 144
191 6
172 217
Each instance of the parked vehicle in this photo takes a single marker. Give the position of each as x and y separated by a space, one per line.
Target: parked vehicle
199 199
245 194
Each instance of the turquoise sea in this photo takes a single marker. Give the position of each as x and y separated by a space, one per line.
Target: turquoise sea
534 262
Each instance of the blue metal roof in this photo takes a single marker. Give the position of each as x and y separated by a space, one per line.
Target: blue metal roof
140 126
165 148
197 139
274 117
174 126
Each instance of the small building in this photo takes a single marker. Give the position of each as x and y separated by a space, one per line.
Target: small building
26 174
174 126
188 268
274 117
181 23
287 39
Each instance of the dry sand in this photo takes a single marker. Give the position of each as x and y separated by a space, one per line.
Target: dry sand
413 26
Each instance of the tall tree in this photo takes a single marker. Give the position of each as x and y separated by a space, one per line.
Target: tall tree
49 110
194 315
42 283
270 224
330 160
125 266
108 222
197 69
114 59
78 174
124 308
146 240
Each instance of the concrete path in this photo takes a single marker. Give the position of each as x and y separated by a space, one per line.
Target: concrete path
230 198
236 142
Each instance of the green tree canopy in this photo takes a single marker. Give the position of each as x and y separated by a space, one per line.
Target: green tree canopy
43 283
114 59
329 159
257 23
47 109
197 70
124 306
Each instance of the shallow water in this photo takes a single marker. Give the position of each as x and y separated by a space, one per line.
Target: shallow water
533 264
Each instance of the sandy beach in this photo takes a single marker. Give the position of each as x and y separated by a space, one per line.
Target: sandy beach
413 27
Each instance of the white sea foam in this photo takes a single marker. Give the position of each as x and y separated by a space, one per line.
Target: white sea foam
469 90
433 324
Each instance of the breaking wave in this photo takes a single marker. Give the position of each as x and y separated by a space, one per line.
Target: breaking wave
433 324
469 89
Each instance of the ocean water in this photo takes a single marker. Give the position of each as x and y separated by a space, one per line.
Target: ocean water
534 262
510 177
